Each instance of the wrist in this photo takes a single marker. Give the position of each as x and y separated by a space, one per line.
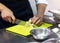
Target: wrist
2 7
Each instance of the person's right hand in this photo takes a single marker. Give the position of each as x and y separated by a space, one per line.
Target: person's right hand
7 15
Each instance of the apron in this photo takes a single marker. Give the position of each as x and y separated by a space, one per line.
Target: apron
20 8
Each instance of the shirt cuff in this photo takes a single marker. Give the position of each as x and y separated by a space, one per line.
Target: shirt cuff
42 1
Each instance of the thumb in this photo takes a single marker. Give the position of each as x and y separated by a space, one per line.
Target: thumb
29 20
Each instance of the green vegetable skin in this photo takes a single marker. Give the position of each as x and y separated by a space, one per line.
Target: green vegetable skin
27 24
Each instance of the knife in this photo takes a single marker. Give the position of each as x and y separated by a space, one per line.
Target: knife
21 22
17 21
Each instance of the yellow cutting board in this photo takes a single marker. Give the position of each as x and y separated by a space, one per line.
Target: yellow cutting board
25 29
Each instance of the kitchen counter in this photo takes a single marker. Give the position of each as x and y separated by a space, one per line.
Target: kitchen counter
9 37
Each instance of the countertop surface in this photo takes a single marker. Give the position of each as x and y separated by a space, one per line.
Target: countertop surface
9 37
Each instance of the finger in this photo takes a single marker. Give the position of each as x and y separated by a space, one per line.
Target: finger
38 22
9 19
34 22
13 19
29 20
5 18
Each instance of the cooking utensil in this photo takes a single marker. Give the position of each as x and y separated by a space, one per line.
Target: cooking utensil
40 33
56 14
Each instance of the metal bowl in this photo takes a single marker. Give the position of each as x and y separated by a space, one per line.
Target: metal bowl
40 33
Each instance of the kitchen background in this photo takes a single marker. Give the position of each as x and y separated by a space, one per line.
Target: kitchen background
52 5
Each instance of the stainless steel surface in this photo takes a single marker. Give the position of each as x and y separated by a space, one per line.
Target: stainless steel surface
33 42
56 14
8 37
52 40
49 19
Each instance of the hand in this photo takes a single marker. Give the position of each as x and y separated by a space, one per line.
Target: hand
7 15
36 20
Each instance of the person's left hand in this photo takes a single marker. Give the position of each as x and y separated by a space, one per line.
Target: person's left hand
36 20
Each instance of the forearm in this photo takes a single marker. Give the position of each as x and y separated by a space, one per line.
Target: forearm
2 7
41 9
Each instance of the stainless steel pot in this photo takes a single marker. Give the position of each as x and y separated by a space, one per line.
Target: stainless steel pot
56 14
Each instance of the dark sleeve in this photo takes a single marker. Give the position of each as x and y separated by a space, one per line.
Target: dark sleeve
1 1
